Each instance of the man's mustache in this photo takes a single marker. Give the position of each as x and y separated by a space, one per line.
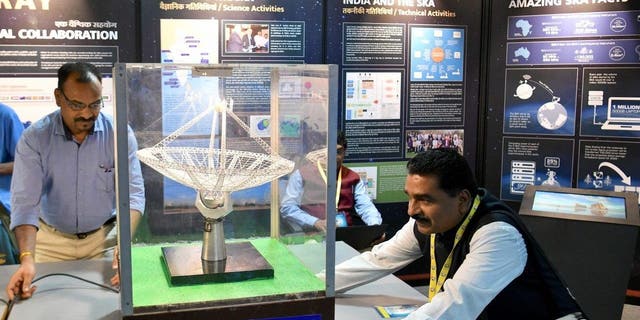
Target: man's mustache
420 218
81 119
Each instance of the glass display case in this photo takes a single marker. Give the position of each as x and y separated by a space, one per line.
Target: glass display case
216 146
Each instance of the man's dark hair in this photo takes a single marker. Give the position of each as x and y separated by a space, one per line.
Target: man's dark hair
451 169
83 69
342 139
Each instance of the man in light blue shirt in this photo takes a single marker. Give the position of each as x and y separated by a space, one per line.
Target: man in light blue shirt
64 185
303 205
10 130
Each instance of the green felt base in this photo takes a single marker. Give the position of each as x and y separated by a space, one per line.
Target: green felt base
151 287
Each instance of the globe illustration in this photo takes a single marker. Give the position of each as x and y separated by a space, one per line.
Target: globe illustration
263 124
552 115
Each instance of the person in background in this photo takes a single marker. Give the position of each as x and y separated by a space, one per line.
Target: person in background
10 131
247 38
234 43
484 263
262 41
303 205
63 189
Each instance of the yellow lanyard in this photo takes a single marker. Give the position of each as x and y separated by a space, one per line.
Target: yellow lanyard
433 286
339 184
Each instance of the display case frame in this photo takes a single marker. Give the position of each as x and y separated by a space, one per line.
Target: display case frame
254 307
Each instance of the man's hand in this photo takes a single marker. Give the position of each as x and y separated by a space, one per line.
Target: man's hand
20 282
382 238
115 265
321 225
135 217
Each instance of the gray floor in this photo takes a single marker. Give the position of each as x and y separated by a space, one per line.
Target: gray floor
630 311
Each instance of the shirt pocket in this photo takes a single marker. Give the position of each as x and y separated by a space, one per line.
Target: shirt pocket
106 179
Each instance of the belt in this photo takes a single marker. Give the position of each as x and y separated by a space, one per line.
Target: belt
83 235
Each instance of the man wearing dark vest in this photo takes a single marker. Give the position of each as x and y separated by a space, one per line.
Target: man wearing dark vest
484 263
303 205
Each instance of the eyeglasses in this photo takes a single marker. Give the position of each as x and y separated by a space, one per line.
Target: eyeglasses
77 106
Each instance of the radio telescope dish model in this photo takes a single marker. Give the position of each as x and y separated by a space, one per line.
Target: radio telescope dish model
214 172
317 156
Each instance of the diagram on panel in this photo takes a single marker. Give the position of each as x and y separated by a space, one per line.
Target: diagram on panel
534 162
540 101
623 113
608 165
610 102
437 54
551 115
599 179
372 95
523 174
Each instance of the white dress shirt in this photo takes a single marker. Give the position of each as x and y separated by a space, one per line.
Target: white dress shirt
292 213
497 255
